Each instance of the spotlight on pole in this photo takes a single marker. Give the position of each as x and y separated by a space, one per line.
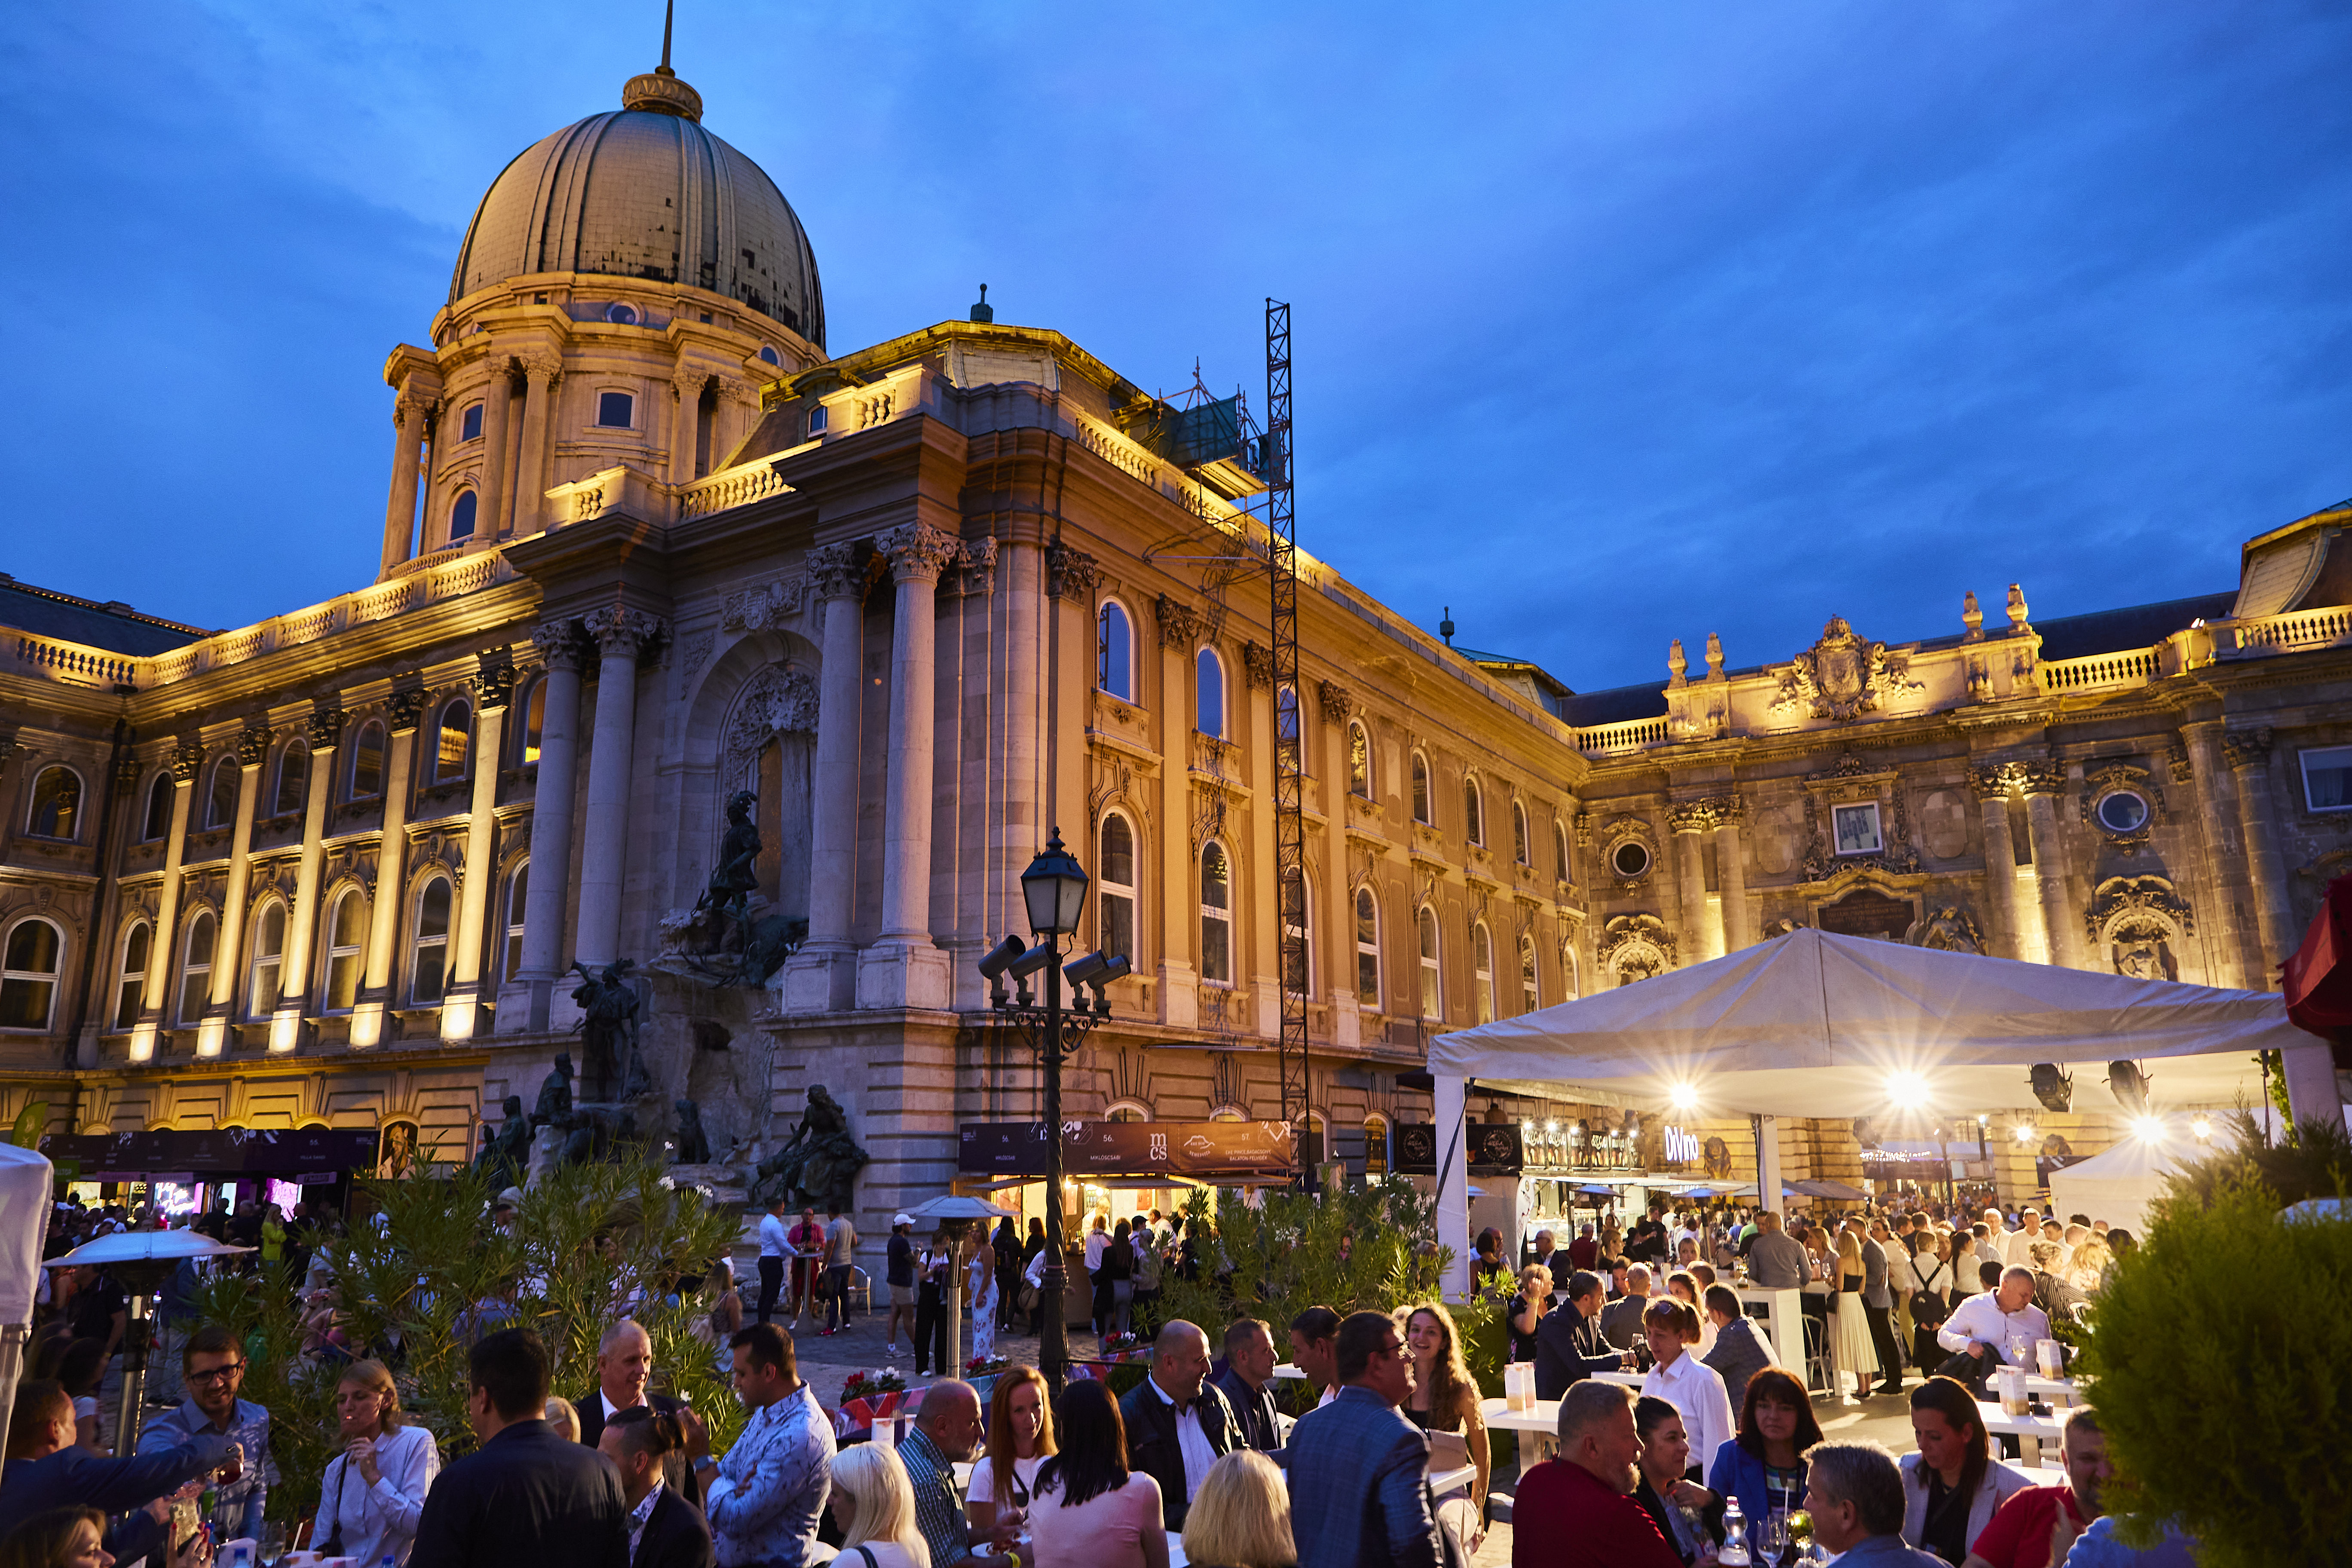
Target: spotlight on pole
2053 1088
2130 1086
993 967
1029 963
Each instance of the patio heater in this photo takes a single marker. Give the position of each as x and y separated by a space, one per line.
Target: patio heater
140 1262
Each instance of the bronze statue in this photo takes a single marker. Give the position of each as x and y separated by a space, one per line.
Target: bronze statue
821 1163
608 1024
507 1157
554 1095
729 894
692 1144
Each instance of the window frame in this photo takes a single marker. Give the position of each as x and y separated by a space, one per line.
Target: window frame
1568 973
1523 850
530 735
1429 938
224 766
601 423
420 939
285 755
1359 760
1559 850
258 1006
470 419
440 729
1124 688
1221 915
1302 930
72 809
52 979
1482 973
129 976
465 514
206 921
1108 889
1368 948
1381 1142
2302 770
1420 804
332 953
1208 673
1474 811
1530 977
383 761
166 788
516 891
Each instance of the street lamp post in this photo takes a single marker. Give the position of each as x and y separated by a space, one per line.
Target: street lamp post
1053 889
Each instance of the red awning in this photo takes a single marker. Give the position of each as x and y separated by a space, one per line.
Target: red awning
2319 976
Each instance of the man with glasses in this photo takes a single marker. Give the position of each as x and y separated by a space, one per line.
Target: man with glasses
1359 1470
212 1363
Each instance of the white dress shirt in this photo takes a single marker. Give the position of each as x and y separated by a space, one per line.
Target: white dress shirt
1695 1389
775 1241
380 1520
1980 1318
1096 1241
1193 1443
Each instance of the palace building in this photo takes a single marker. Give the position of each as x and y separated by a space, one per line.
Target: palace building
650 541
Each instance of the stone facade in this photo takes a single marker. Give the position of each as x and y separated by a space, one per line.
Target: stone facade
932 600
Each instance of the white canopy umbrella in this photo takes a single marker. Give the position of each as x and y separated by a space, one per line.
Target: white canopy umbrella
2118 1186
27 1187
955 1212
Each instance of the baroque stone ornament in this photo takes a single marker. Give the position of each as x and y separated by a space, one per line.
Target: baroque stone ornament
975 566
493 685
1636 947
2246 747
1949 928
2123 804
558 643
620 630
1178 623
769 605
406 706
836 571
1258 664
253 746
778 700
1843 675
325 728
2139 918
186 759
1070 573
918 553
1337 704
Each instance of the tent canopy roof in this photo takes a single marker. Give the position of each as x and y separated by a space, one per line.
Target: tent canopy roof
1815 1023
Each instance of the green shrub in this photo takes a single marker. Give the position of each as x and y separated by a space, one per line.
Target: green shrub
2224 1371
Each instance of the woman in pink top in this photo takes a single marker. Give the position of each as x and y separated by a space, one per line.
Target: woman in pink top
1090 1510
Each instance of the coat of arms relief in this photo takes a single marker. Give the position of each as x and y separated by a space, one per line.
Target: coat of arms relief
1843 675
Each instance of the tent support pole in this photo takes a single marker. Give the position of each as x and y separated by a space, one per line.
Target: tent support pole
11 1367
2311 1091
1449 1095
1767 1164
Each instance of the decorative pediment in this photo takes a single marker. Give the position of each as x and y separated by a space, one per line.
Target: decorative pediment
1843 675
777 701
1635 947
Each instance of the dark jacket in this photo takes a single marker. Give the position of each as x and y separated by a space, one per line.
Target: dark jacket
1153 1448
1621 1321
76 1478
1360 1488
1568 1349
526 1496
1738 1355
677 1474
675 1536
1255 1425
1710 1517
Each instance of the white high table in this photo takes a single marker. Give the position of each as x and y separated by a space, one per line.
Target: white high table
1783 1324
2030 1431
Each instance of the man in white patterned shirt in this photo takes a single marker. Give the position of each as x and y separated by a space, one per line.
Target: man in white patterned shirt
764 1499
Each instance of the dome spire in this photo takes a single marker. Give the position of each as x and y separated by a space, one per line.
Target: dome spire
660 90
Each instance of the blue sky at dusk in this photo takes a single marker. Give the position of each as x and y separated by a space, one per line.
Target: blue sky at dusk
1614 321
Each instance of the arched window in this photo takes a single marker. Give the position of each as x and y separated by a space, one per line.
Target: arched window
57 802
1285 727
461 516
220 799
293 777
1216 916
346 931
1431 1007
453 736
1115 908
1368 950
1530 993
197 969
1482 973
1520 851
1569 991
518 892
367 762
768 354
1298 948
159 808
1210 704
130 985
1420 788
1114 652
1360 762
428 975
534 715
268 960
1560 851
28 973
1376 1147
1129 1111
1473 813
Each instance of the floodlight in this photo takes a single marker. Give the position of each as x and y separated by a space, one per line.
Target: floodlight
1082 971
1907 1089
2051 1086
2023 1131
2202 1126
2150 1128
1684 1096
2130 1086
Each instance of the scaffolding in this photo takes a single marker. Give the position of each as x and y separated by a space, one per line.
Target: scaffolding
1289 780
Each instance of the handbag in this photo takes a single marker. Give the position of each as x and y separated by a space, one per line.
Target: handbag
1969 1371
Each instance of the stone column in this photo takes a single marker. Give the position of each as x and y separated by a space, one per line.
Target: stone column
2248 752
156 1009
228 953
1180 889
491 510
8 748
2234 941
1731 875
1701 931
408 415
822 977
326 730
903 968
971 731
620 635
2042 782
1333 933
472 990
685 383
1264 938
368 1026
2015 930
540 372
548 890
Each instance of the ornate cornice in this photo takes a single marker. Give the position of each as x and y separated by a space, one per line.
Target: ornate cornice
253 746
836 571
1179 623
325 727
2246 747
1071 573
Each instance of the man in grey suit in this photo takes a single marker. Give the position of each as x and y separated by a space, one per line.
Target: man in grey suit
1739 1352
1878 1307
1776 1261
1621 1321
1359 1470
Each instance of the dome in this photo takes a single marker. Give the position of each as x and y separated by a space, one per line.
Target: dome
645 191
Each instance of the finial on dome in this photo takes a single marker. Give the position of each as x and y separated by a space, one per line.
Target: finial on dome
660 90
983 311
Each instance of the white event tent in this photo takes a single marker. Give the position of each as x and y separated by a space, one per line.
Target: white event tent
26 1189
1817 1025
2118 1186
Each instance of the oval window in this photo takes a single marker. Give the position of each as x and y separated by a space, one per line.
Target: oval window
1631 858
2123 811
622 315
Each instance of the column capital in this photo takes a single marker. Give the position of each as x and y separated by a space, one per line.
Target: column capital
918 553
836 571
2039 778
1071 573
2246 747
622 630
494 684
406 706
976 567
1337 703
558 643
186 759
1258 664
1729 810
127 771
1992 781
253 746
1178 623
1691 816
7 744
410 406
542 367
325 727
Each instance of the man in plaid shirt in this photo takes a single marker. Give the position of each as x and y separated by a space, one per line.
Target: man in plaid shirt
764 1499
948 1428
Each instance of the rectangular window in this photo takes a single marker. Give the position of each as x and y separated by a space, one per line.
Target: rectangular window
2327 779
470 426
1857 828
616 410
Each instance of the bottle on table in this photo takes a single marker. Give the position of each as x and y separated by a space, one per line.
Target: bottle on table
1734 1551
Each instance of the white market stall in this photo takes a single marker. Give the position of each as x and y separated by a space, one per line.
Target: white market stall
27 1186
1818 1024
2118 1186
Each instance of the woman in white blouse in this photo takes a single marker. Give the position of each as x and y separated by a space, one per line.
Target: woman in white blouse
374 1491
1694 1388
1020 1437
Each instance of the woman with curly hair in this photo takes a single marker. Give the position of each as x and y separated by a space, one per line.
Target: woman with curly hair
1445 1398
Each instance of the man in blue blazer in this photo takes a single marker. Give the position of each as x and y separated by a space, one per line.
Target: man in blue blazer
1569 1344
1359 1470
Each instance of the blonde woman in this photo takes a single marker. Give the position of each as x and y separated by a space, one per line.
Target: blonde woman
1851 1334
1445 1398
1020 1439
1241 1516
2087 1270
562 1419
873 1504
373 1494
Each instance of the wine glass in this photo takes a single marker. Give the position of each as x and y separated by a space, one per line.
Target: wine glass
1772 1537
272 1544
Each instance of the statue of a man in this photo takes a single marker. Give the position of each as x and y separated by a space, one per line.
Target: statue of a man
554 1094
730 890
608 1023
